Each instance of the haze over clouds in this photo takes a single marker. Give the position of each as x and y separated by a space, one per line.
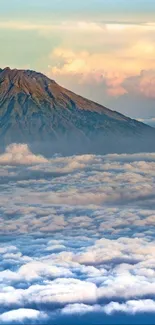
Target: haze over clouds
68 250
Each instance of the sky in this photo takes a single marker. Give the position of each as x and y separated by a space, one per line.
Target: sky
70 254
103 50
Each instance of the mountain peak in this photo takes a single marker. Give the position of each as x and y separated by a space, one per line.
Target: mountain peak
14 82
32 82
8 72
35 108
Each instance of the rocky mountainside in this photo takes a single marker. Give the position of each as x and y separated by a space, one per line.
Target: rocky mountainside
35 109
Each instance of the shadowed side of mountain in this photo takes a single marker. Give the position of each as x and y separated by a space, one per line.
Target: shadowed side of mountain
36 110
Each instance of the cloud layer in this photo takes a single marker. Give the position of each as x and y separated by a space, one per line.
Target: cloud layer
77 238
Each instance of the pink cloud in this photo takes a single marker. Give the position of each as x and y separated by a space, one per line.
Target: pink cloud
117 91
143 84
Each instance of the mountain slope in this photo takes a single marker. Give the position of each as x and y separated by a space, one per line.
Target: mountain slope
35 109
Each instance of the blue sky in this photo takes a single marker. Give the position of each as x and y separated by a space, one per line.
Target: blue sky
103 50
91 7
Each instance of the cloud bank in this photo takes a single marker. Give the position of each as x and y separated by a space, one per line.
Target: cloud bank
77 238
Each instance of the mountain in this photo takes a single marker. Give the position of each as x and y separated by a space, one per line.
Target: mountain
35 109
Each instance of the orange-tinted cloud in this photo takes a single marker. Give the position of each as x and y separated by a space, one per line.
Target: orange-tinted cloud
142 84
100 68
89 68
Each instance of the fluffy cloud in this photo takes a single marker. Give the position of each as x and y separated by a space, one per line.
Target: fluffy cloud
131 307
21 315
80 309
70 250
19 154
142 84
59 292
120 62
116 83
83 66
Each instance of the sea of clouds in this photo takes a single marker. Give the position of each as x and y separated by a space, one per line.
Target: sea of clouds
77 239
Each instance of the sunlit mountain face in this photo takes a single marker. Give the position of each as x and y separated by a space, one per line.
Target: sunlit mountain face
77 162
36 110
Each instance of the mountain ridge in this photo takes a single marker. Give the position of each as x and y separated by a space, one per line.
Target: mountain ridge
34 108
